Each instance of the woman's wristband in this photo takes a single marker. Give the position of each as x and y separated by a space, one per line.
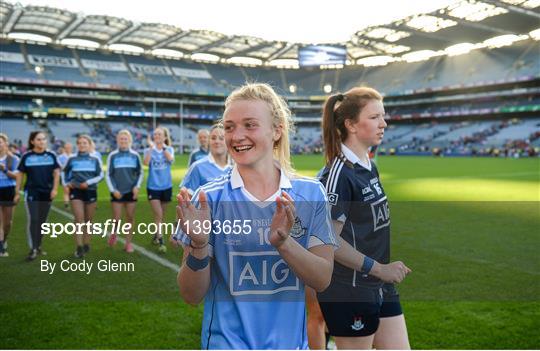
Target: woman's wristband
367 265
197 247
196 264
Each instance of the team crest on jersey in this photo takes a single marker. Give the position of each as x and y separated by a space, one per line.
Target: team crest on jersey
297 229
332 198
357 324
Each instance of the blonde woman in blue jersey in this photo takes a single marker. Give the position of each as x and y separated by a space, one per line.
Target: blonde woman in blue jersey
210 167
252 280
159 157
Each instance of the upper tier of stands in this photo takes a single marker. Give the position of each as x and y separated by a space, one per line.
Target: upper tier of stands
156 74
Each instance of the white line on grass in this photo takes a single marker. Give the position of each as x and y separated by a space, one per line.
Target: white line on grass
136 247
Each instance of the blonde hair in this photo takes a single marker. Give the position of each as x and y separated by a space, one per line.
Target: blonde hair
126 132
166 134
4 137
89 139
281 117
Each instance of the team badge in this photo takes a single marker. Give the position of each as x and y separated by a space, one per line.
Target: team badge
297 229
357 324
332 198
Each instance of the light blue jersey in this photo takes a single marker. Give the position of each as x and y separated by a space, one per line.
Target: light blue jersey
63 158
202 172
159 173
255 301
9 165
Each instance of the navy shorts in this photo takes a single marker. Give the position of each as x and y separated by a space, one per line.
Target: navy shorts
161 195
350 311
127 197
391 305
6 196
88 196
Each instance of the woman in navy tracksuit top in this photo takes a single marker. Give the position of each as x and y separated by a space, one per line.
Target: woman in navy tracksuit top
81 174
42 177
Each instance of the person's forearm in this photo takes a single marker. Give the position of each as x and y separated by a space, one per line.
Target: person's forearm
56 180
194 284
168 155
18 182
147 157
315 271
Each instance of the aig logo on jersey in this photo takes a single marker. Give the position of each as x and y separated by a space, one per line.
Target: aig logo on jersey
261 273
381 214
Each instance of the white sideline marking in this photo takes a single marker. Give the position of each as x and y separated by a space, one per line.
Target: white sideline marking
136 247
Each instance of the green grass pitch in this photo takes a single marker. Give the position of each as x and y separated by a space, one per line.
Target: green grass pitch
468 227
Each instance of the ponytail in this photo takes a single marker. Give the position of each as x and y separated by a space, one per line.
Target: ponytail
331 133
337 109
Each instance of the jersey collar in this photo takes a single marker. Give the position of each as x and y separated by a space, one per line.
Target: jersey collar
237 182
351 156
213 161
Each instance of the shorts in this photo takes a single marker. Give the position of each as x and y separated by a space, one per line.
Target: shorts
127 197
36 195
391 305
355 313
161 195
6 196
88 196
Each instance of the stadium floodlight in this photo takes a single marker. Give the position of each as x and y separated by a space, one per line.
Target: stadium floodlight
284 63
391 49
292 88
503 40
126 48
167 53
30 37
327 88
200 56
474 10
535 34
459 49
386 33
375 61
530 4
242 60
80 43
420 55
39 69
427 23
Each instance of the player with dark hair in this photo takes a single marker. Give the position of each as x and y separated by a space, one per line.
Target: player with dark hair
360 310
42 177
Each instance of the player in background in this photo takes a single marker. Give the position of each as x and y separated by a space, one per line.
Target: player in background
253 283
159 157
124 177
63 154
81 175
210 167
42 172
360 310
202 150
8 176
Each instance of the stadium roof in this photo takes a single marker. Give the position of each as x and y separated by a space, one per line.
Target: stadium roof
455 29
